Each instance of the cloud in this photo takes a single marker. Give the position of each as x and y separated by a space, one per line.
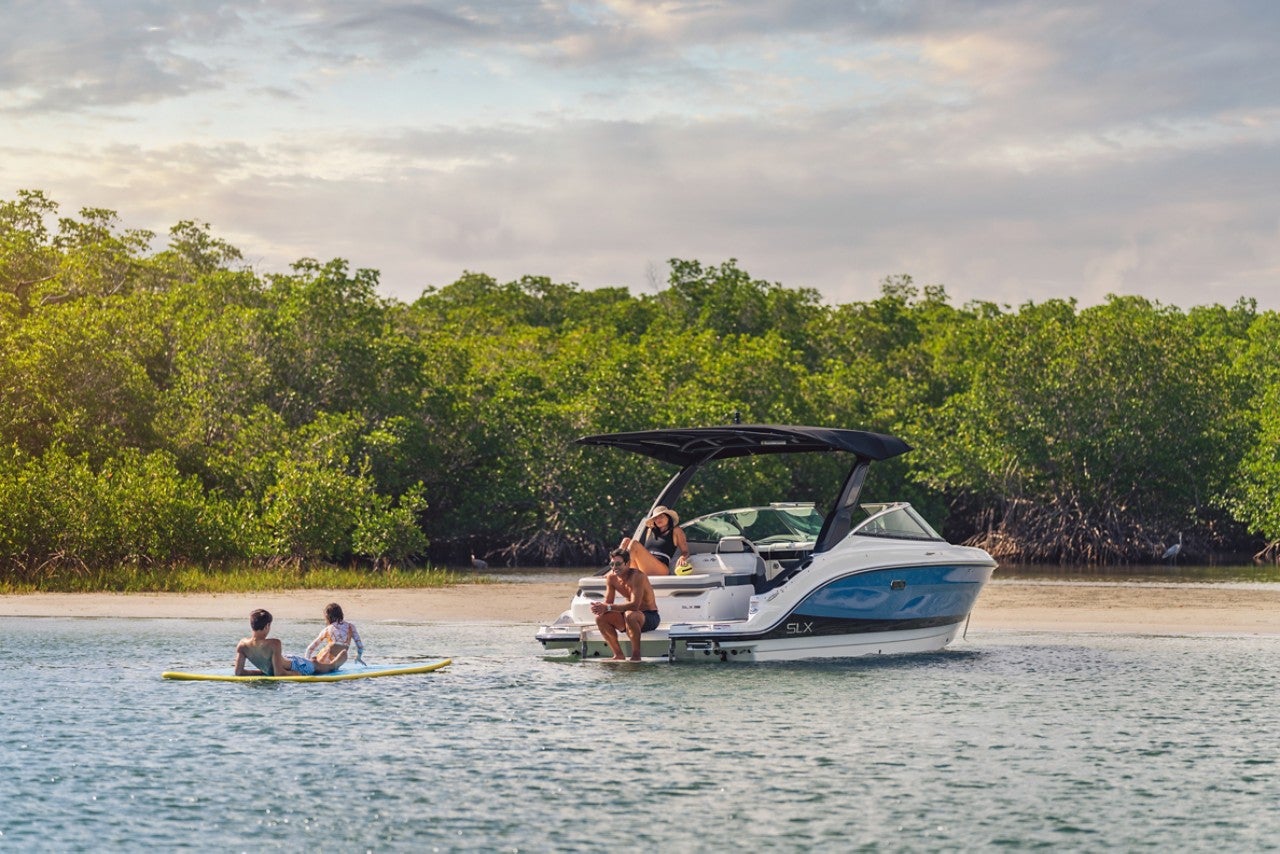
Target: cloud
1011 151
63 56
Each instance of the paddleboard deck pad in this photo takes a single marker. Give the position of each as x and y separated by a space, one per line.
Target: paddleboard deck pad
227 674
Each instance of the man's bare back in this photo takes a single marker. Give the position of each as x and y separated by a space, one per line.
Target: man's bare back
267 654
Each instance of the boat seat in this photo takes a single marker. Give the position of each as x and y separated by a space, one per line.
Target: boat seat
729 548
781 578
663 584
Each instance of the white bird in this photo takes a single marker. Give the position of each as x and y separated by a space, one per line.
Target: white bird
478 563
1173 550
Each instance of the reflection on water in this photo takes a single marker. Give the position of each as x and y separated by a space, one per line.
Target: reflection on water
1007 741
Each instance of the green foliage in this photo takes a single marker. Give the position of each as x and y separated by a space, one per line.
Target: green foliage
173 407
324 326
387 531
77 374
1255 498
217 378
58 510
239 577
310 511
1115 420
27 257
194 252
727 301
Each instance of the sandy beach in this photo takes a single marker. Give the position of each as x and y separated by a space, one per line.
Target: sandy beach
1005 605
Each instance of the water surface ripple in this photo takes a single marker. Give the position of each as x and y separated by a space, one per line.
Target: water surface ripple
1086 742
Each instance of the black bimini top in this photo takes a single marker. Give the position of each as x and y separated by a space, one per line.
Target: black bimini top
685 447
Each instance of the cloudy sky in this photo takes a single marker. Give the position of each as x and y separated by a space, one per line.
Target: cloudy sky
1010 151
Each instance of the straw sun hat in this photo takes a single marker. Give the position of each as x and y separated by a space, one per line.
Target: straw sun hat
659 510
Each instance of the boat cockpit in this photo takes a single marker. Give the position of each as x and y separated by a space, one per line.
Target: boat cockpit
784 534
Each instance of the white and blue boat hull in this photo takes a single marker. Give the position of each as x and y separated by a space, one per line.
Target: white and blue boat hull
884 611
880 611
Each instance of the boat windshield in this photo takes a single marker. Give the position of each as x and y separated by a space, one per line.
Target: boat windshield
776 523
898 521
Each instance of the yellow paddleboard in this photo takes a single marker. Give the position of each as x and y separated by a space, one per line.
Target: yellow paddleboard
356 672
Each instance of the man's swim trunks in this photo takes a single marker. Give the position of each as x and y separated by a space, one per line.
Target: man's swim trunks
651 621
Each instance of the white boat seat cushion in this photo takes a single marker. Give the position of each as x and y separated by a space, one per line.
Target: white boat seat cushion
738 554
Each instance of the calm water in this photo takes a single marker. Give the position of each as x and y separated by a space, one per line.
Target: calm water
1082 742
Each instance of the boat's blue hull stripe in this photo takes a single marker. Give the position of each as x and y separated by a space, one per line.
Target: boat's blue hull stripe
866 602
801 626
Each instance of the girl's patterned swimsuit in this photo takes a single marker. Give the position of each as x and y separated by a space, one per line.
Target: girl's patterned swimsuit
341 634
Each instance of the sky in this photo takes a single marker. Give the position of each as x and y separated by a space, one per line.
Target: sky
1009 151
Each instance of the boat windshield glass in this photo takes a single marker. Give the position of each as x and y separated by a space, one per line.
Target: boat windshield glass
775 523
895 521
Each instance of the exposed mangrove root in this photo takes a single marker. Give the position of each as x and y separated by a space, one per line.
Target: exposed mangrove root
1022 531
552 548
1062 531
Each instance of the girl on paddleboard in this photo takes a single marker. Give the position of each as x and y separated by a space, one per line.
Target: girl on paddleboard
336 638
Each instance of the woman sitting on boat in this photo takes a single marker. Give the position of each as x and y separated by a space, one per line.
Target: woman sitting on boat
662 538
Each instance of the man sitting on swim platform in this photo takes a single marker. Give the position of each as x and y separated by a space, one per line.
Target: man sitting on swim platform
636 615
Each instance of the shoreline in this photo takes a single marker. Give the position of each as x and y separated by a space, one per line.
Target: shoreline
1121 608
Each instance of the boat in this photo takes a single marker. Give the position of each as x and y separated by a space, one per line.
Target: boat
784 581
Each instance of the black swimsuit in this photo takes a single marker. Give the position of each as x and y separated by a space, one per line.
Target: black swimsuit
658 544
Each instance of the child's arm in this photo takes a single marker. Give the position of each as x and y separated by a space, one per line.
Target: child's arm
355 636
320 639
